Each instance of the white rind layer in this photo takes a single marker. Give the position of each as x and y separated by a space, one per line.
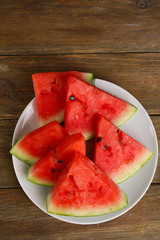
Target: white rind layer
126 115
37 180
59 117
127 170
22 155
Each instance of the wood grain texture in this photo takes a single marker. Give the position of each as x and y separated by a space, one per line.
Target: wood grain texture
7 176
21 219
6 130
98 26
137 73
116 40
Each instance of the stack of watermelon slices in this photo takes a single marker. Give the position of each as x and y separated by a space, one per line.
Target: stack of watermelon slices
57 154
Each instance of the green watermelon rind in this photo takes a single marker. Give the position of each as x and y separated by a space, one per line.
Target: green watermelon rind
37 181
134 168
126 116
89 77
59 117
21 155
93 212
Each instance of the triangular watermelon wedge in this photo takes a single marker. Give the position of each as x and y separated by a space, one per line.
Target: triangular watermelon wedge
84 190
47 170
49 88
116 153
37 143
83 101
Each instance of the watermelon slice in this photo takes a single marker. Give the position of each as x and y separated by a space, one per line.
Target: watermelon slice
50 93
84 190
83 101
47 170
35 144
116 153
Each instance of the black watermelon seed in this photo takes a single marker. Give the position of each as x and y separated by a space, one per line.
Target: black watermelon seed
72 98
99 139
117 130
53 170
59 161
105 146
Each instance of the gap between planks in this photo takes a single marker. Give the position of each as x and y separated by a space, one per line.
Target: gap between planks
75 53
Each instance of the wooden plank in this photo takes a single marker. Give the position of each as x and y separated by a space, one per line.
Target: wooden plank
137 73
6 130
7 176
21 219
37 27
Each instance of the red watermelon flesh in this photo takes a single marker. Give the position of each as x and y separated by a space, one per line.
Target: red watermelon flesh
47 170
50 93
83 101
84 190
35 144
116 153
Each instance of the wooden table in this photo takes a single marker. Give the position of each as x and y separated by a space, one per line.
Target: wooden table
116 40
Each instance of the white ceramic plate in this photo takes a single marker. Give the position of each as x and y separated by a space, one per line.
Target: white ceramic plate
139 126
